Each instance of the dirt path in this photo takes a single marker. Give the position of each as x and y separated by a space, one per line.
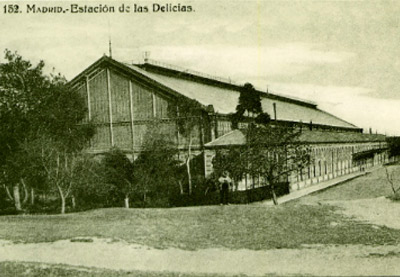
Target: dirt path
315 260
379 211
312 259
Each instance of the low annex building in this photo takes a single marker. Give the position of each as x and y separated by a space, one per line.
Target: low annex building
333 154
124 99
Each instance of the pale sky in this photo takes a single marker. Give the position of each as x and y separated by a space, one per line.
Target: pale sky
342 55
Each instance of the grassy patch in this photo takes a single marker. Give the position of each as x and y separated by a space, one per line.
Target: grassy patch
35 270
235 227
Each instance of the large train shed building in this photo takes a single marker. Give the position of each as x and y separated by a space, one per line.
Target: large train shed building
123 99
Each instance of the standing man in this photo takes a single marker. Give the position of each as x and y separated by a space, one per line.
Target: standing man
224 185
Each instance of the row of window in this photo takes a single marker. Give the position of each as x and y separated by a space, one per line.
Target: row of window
339 167
343 151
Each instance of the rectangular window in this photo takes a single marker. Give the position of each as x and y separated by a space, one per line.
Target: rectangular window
319 168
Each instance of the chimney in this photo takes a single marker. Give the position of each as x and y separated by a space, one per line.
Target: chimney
146 56
274 105
311 125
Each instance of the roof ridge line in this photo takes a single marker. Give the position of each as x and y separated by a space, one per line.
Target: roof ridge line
219 81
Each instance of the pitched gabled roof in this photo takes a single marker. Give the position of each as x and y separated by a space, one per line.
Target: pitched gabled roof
225 100
224 96
233 138
237 137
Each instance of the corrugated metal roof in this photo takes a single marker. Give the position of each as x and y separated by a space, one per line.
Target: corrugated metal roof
237 137
339 137
225 100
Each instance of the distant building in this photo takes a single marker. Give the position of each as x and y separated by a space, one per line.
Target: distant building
124 98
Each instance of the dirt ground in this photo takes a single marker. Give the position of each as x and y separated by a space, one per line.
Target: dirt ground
311 259
378 211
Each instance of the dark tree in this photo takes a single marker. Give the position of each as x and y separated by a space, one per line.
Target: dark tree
274 152
156 168
119 171
232 161
270 151
249 104
394 153
33 107
394 146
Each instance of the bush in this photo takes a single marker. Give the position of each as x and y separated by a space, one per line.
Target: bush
258 194
6 206
98 195
395 196
48 206
4 203
207 193
8 211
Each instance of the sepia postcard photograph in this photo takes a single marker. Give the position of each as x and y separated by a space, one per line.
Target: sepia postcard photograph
199 138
